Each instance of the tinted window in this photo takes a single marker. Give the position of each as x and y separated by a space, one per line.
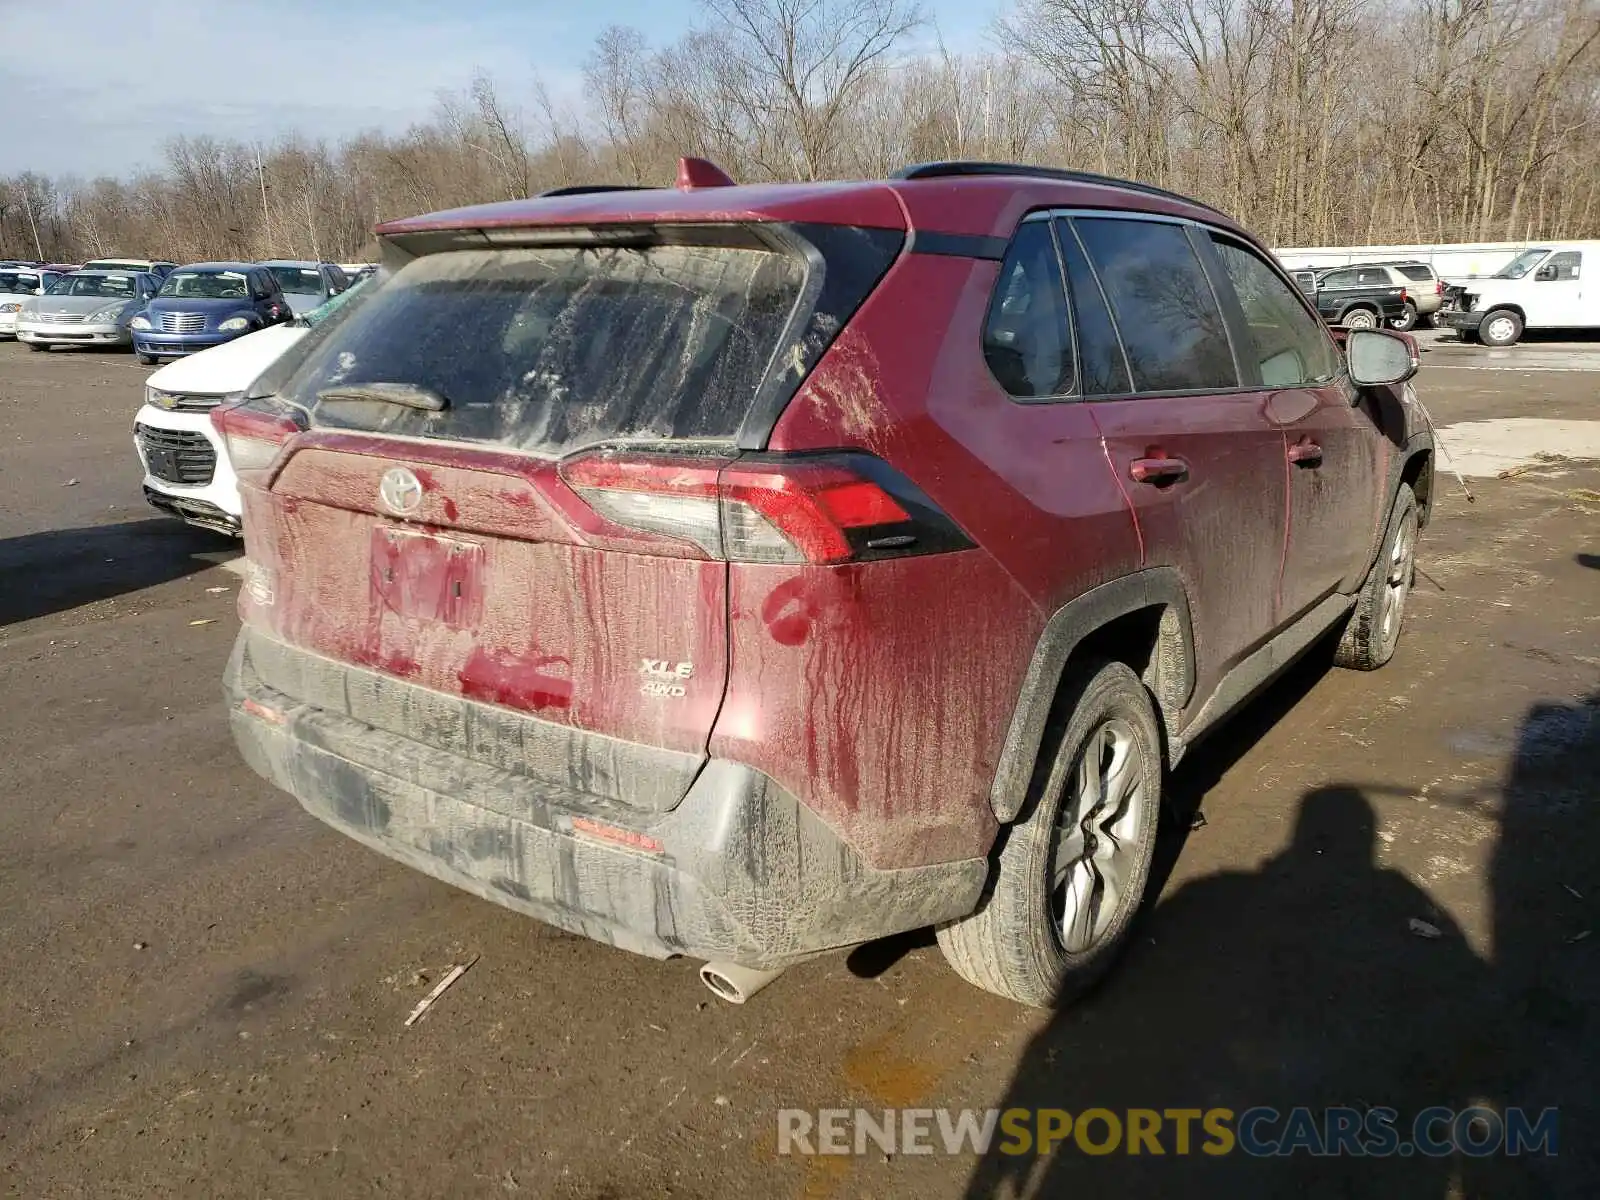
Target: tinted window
1171 327
300 281
1374 277
1566 264
1417 274
556 348
1101 367
1339 279
1288 344
1025 338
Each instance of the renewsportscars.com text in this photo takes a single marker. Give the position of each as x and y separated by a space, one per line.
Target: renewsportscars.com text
1259 1132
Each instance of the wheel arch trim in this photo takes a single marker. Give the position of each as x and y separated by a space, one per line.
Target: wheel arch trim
1158 588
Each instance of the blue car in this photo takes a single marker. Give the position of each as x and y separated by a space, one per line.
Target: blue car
206 304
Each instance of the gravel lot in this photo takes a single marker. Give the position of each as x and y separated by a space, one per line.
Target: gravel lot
204 988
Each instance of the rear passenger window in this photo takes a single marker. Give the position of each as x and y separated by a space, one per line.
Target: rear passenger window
1025 338
1288 345
1101 367
1339 279
1165 310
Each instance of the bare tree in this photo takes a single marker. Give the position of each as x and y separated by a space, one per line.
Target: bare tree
798 65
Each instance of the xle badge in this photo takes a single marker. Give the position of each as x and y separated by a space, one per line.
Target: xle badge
663 678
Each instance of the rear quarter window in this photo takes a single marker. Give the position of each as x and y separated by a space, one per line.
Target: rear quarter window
1417 274
551 349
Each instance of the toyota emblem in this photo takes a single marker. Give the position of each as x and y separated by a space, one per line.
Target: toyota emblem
400 491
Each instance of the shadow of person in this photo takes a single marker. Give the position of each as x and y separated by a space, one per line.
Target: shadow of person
1547 931
1302 983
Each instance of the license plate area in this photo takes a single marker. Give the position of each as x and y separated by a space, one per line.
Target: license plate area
427 578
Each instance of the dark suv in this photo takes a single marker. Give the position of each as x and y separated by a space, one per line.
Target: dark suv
744 572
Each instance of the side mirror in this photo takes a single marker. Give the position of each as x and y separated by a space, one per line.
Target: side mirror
1379 358
1546 273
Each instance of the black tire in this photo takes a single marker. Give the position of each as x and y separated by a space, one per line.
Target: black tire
1500 327
1407 321
1016 944
39 346
145 360
1373 630
1361 318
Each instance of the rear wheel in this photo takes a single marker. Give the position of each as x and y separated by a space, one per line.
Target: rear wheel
1072 873
1374 629
1407 320
1360 318
1501 327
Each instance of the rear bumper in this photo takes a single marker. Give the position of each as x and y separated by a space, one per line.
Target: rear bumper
737 871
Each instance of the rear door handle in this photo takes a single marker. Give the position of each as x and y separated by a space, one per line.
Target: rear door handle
1306 454
1157 470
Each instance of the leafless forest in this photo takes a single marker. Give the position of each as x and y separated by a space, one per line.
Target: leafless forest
1312 121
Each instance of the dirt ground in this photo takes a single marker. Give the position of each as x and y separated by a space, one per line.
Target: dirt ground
203 989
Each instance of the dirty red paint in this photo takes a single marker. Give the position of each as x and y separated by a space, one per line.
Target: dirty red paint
788 613
509 594
517 683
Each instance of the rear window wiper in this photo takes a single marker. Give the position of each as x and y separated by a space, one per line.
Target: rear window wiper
406 395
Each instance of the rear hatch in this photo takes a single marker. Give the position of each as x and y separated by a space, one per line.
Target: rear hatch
450 492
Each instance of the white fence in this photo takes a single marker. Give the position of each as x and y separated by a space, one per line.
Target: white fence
1453 262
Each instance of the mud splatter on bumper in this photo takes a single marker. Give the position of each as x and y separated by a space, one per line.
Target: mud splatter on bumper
744 873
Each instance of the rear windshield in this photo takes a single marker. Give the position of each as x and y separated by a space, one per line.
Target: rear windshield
555 348
298 281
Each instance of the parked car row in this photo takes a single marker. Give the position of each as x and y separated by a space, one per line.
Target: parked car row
159 309
1399 295
1539 288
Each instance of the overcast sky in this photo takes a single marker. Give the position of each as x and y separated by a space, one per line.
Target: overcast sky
94 87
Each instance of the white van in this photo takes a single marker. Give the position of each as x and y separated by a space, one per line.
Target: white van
1541 288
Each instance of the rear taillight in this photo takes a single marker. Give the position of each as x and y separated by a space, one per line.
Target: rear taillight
254 431
1438 287
823 509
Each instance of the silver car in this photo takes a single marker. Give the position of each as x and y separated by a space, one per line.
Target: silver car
306 285
86 308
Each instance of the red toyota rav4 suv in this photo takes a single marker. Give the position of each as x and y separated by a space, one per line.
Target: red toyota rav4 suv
743 572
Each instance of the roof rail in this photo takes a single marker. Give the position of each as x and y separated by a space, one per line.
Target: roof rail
587 189
945 170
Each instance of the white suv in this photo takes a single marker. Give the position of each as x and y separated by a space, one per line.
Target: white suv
186 468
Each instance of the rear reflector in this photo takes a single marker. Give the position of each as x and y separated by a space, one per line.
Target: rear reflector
773 509
254 431
257 709
615 834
